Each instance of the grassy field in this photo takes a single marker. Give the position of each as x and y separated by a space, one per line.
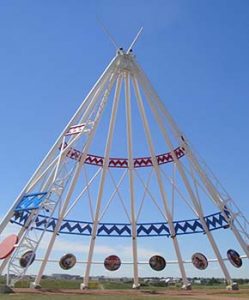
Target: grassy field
107 290
110 285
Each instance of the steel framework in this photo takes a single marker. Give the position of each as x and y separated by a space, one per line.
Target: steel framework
50 195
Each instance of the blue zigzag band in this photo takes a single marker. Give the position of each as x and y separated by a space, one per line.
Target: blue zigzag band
214 222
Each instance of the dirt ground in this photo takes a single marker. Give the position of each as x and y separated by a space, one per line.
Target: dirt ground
217 294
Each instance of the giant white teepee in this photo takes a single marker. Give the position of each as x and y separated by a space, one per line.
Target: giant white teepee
121 168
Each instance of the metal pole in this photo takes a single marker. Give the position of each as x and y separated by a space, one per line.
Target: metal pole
131 178
102 182
186 284
195 202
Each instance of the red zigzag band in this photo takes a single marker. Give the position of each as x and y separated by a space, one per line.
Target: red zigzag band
123 162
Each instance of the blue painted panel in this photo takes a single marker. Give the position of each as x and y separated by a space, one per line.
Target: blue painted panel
31 201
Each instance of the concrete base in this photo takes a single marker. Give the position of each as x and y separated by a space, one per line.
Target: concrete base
83 286
6 290
34 285
136 287
232 287
187 287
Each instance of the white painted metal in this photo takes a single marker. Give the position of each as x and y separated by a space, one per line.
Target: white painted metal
186 283
102 181
146 186
135 40
146 189
173 191
242 223
88 193
209 186
82 192
131 178
53 200
215 195
20 235
180 194
73 183
190 155
50 175
169 262
116 191
32 238
84 119
110 36
56 145
196 203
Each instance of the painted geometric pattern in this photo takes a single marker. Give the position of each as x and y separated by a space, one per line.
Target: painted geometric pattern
31 201
214 221
123 162
75 129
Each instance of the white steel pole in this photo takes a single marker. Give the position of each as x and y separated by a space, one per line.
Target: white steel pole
82 193
215 195
131 178
197 205
70 191
186 284
208 184
54 148
102 181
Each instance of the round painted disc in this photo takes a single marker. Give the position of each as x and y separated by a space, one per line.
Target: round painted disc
200 261
112 263
67 261
27 258
234 258
7 246
157 263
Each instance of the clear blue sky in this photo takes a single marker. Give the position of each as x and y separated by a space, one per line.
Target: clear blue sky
194 52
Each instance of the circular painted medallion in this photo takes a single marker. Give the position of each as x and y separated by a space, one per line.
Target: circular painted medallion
234 258
157 263
27 259
200 261
112 263
7 246
67 261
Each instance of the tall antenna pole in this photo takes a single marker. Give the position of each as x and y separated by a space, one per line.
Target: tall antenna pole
135 40
109 35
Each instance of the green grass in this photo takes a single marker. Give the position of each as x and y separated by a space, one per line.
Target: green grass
112 285
53 284
149 292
